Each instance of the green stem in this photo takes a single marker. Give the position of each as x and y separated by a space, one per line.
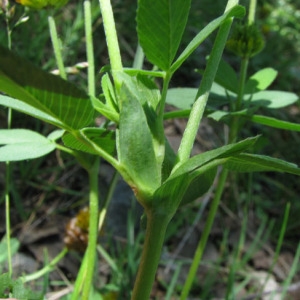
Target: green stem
279 242
155 234
112 41
89 47
8 171
161 106
191 130
231 4
80 278
56 43
110 159
110 193
197 111
234 126
48 268
206 231
8 30
93 228
252 10
7 216
242 81
138 58
65 149
160 141
293 270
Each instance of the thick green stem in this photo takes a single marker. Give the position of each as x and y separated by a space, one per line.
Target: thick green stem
112 41
56 43
206 231
93 229
154 239
89 47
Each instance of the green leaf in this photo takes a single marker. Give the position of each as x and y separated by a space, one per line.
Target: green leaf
225 80
219 96
22 144
259 163
149 73
109 93
55 135
29 110
15 289
260 81
226 77
200 160
184 113
175 191
274 99
14 245
169 161
147 93
237 11
134 144
182 98
160 26
143 89
102 138
269 99
5 282
43 91
105 110
199 169
275 123
199 186
259 119
219 115
169 195
19 290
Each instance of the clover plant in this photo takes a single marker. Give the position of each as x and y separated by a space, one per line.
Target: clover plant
161 179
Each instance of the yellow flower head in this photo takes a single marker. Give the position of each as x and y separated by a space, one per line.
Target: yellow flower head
38 4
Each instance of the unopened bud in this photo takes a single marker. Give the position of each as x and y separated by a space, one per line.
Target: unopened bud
245 41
